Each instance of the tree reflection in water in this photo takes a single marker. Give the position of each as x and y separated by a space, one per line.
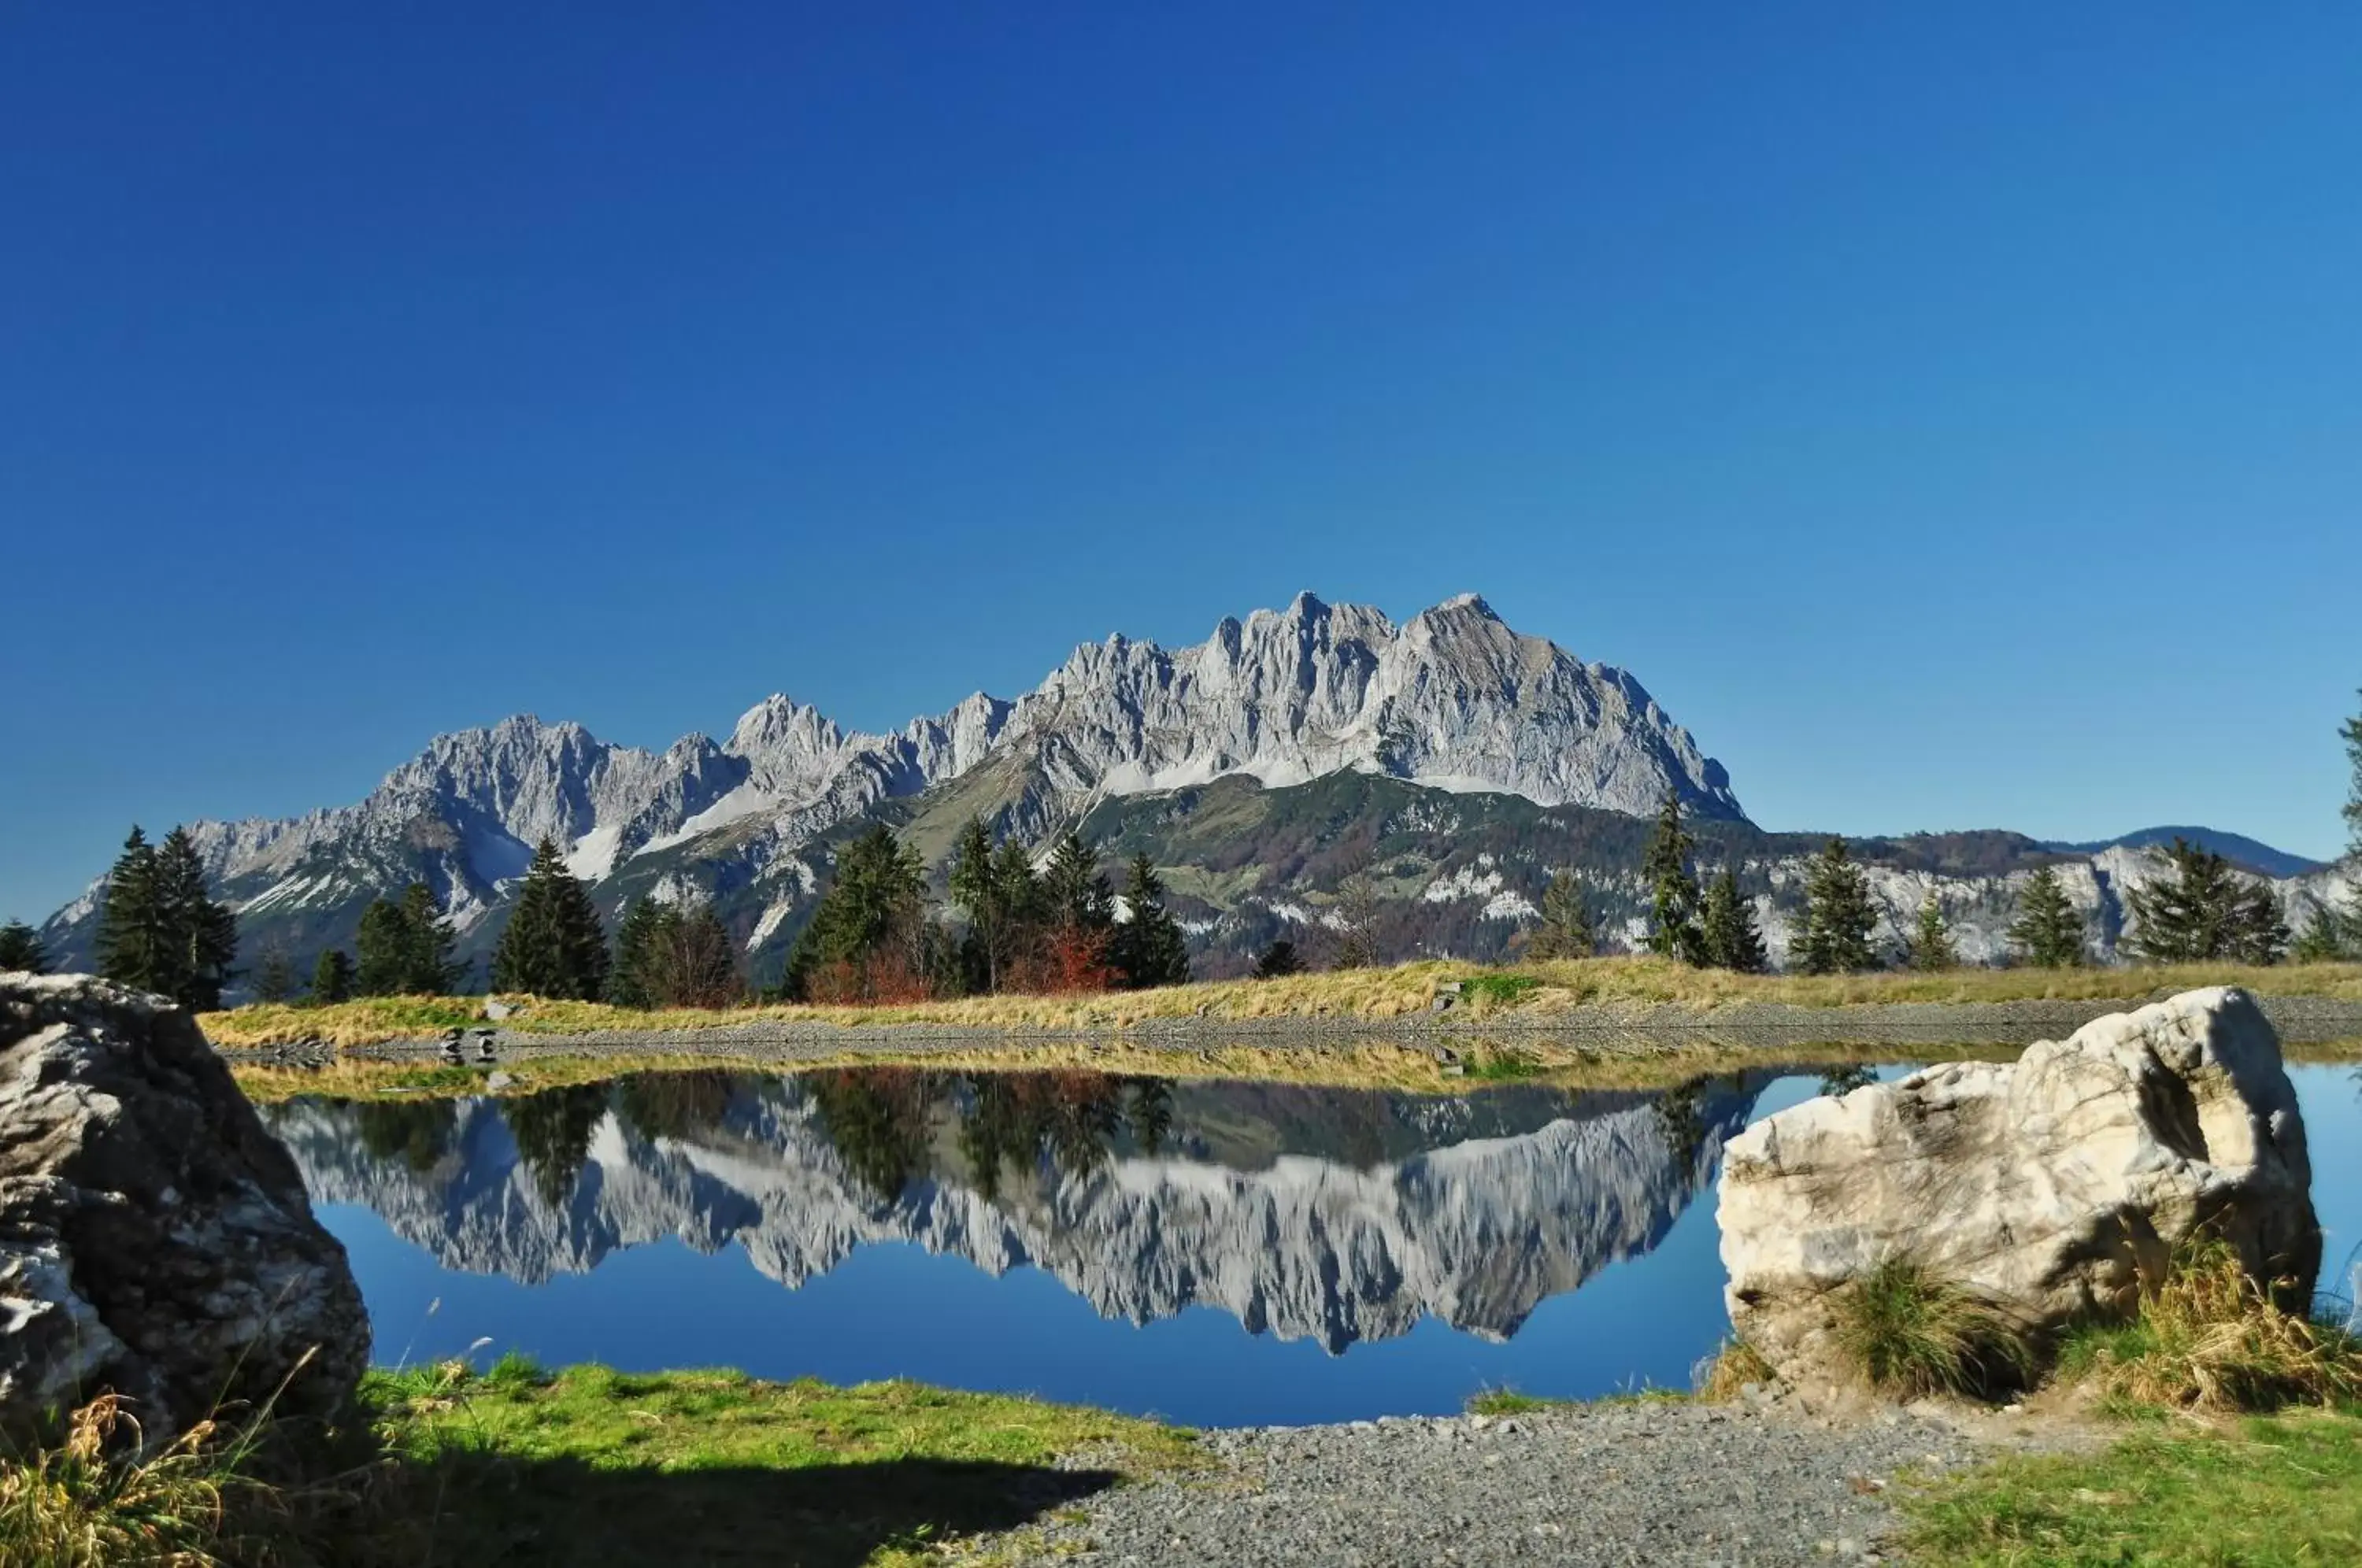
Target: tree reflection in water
418 1132
553 1131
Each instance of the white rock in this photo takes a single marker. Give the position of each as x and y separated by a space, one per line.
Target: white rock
2053 1185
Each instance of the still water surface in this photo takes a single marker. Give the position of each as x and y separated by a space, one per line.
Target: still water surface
1213 1252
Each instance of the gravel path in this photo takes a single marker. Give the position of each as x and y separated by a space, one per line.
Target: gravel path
1669 1483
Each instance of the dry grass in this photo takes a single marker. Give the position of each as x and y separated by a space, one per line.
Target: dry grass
1358 1064
1372 994
1909 1333
1736 1365
2210 1338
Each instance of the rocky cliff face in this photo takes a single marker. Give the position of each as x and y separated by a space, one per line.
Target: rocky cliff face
1476 1230
1452 700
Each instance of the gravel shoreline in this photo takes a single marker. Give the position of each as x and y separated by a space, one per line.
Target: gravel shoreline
1631 1030
1621 1481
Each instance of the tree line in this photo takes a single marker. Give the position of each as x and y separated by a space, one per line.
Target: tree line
875 937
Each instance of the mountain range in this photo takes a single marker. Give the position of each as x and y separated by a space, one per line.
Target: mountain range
1454 760
1334 1215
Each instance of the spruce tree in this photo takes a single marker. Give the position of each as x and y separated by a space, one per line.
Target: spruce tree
332 979
1834 936
21 951
2048 932
628 975
998 890
2199 909
133 945
201 935
1931 943
1565 931
2351 733
554 944
1278 961
1674 891
1726 931
1079 894
274 978
383 944
1149 948
866 935
428 969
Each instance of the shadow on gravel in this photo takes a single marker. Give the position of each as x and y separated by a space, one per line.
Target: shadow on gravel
835 1515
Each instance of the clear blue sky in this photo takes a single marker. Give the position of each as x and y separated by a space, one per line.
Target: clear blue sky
1954 421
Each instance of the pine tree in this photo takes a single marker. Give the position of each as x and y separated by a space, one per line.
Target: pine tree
21 950
2200 909
1149 947
1726 931
2351 733
274 978
405 947
2048 931
1674 891
332 979
1565 931
1079 894
869 939
1931 944
628 975
132 940
201 935
1834 936
1001 896
1278 961
383 944
554 944
428 969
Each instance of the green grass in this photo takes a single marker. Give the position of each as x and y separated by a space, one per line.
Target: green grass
1909 1333
447 1468
2272 1491
1509 1402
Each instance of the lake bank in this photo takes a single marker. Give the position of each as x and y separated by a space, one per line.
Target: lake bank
1595 997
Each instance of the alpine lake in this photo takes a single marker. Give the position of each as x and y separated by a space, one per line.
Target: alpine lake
1213 1252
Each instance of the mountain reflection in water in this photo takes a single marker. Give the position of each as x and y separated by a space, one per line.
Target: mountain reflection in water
1339 1215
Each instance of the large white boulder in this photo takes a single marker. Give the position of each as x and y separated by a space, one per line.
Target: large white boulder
2052 1186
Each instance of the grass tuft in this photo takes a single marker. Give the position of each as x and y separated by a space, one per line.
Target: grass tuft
1732 1368
1909 1333
2210 1338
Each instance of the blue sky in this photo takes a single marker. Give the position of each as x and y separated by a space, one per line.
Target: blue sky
1955 421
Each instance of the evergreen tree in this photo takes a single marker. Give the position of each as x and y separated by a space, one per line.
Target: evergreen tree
2351 733
274 978
405 947
1149 947
2200 909
21 950
1278 961
1726 931
1565 931
2048 931
998 890
200 936
1674 891
428 969
1931 944
628 975
332 979
133 945
1078 893
866 940
383 944
554 944
1834 936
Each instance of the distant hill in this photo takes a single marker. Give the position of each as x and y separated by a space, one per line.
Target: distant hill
2237 848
